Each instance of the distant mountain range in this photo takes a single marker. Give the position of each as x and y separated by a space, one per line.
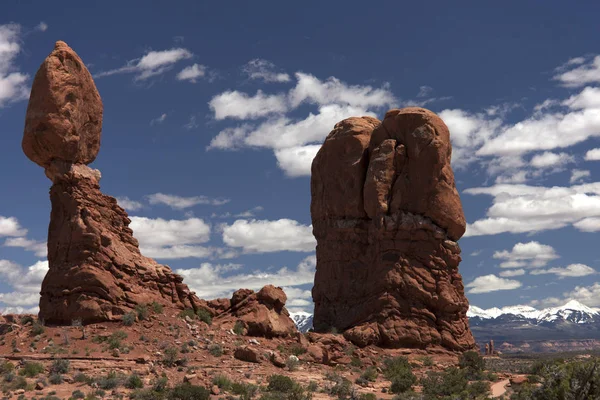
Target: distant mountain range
573 326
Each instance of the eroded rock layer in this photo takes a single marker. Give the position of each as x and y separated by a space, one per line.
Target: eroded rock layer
387 215
96 271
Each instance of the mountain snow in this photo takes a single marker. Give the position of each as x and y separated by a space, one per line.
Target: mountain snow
303 320
573 311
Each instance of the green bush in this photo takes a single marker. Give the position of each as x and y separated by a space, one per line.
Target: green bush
246 391
398 371
280 383
60 366
451 382
370 374
170 357
82 378
188 313
216 350
27 319
77 394
142 312
342 387
473 364
109 381
238 328
31 369
128 319
188 392
134 382
204 315
222 381
6 367
115 341
37 328
55 379
157 308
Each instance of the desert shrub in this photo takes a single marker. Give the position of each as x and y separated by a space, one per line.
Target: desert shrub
280 383
398 371
246 391
37 328
81 378
77 394
60 366
426 360
55 379
356 362
6 367
216 350
297 350
134 382
341 388
115 341
473 364
169 359
31 369
222 381
157 308
312 386
128 319
438 385
238 328
367 396
27 319
109 381
292 363
161 384
142 312
410 395
188 392
204 315
370 374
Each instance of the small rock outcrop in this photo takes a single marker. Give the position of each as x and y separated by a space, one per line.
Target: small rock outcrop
386 215
96 271
261 313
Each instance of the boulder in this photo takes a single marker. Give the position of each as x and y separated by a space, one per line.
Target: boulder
248 354
386 215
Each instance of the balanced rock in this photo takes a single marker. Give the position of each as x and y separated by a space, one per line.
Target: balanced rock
386 215
261 314
96 271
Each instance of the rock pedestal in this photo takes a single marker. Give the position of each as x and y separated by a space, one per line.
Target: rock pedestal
96 271
386 216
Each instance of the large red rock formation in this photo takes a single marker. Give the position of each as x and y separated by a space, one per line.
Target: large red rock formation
387 215
96 271
261 314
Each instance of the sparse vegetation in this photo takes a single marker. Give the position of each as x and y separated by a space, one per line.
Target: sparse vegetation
399 372
31 369
60 366
129 318
216 350
238 328
204 316
134 382
170 357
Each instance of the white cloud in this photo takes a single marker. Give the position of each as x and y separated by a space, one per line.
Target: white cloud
158 120
593 155
549 159
583 74
13 85
532 254
579 175
294 140
512 272
523 208
192 123
180 203
491 283
589 97
151 64
128 204
174 239
42 27
234 104
9 226
425 91
591 224
192 73
19 310
262 236
572 270
39 248
296 161
25 282
212 281
588 295
244 214
265 71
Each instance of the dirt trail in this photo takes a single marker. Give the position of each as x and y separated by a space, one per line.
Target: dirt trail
499 388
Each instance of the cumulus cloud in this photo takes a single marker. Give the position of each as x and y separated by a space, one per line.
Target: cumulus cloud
579 73
593 155
13 83
169 239
192 73
153 63
40 249
128 204
523 208
213 281
264 70
263 236
180 203
491 283
588 295
512 272
572 270
294 140
24 281
549 159
579 175
531 254
9 226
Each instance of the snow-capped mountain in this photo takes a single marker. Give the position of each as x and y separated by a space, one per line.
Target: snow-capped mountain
573 311
303 320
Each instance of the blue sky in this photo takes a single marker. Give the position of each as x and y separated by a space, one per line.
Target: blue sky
212 115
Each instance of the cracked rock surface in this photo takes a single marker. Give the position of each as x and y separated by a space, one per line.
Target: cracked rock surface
386 215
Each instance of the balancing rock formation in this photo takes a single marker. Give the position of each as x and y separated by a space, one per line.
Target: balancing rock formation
96 271
386 215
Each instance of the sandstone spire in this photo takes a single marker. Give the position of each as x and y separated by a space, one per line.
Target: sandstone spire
387 215
96 272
